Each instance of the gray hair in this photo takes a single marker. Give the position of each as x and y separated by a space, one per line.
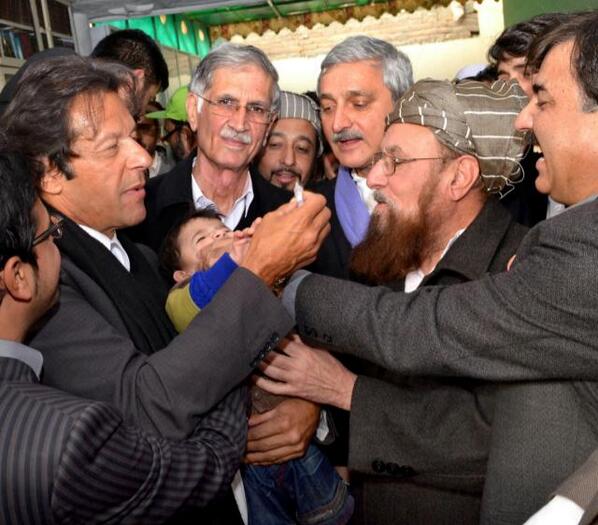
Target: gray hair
396 66
233 56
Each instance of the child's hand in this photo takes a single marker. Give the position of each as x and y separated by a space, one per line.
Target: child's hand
239 249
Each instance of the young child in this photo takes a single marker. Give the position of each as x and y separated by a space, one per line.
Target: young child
200 253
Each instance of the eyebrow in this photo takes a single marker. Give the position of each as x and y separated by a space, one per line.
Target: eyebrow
395 149
236 99
348 94
538 88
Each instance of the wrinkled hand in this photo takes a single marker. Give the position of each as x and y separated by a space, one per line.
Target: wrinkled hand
288 238
308 373
282 433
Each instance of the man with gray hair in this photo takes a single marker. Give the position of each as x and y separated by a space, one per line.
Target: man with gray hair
294 143
232 102
447 149
360 80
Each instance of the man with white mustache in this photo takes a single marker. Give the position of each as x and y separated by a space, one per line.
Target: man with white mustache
232 103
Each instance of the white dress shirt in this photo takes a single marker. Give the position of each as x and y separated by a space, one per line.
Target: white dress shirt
558 511
366 193
237 212
112 245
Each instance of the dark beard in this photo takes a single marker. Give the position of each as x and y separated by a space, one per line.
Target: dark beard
394 245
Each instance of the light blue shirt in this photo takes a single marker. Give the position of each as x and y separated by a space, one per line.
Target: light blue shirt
13 350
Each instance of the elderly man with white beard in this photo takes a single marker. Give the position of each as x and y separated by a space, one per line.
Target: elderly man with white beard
437 222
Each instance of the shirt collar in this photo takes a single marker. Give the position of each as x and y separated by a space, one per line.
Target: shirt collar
366 193
239 209
414 278
13 350
112 245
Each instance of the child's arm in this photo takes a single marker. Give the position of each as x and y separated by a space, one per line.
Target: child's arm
185 302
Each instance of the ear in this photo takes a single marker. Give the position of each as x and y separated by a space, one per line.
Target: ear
139 75
188 138
52 181
466 173
18 279
192 113
180 276
269 129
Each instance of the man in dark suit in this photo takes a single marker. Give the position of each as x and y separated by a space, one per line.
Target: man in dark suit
232 123
75 449
436 224
535 322
360 80
109 338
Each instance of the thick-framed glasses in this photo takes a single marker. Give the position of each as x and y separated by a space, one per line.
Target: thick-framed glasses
228 107
54 231
390 162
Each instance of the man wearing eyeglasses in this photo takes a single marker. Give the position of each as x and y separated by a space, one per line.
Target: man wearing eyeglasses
232 103
446 150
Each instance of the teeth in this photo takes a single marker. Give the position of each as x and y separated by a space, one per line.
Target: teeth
537 149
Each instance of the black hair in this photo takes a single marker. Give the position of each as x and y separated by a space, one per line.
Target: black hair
516 40
170 252
137 50
581 30
17 197
37 121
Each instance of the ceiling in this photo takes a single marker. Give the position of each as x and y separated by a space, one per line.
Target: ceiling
221 12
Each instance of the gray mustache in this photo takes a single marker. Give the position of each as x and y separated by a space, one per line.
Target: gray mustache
380 198
346 134
241 136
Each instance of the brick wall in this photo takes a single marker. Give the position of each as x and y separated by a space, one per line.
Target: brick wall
422 26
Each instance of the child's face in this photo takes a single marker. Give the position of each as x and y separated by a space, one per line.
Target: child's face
202 242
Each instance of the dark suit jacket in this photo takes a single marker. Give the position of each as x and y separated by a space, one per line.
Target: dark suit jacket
88 352
64 459
535 322
333 257
169 198
427 462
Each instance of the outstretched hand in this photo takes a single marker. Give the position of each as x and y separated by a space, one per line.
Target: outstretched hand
288 238
308 373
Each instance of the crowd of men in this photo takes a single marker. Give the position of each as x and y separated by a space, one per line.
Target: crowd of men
424 316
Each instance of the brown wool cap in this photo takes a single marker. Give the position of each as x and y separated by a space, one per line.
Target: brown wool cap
473 118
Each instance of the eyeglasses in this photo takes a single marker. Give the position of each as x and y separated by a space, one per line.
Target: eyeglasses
390 162
227 107
54 231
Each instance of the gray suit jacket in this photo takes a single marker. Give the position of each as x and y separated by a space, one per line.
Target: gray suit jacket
427 461
536 322
87 351
67 460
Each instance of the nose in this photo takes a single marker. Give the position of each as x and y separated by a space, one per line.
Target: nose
340 119
138 158
219 234
288 156
238 120
525 119
376 179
